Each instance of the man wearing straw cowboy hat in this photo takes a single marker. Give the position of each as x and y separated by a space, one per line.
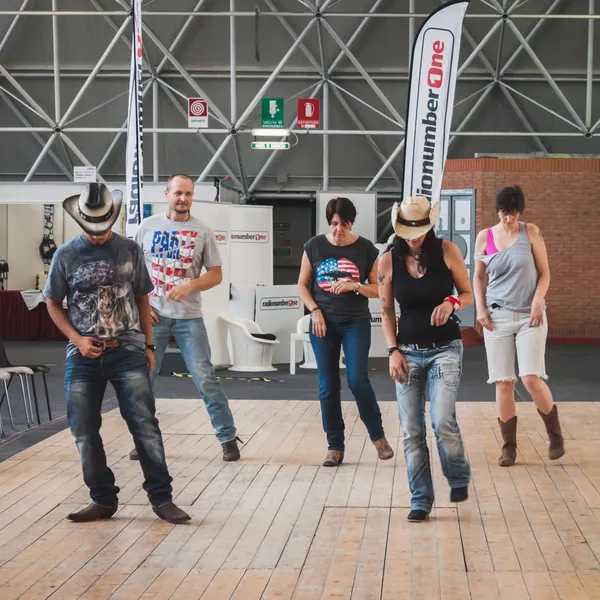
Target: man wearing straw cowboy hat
108 324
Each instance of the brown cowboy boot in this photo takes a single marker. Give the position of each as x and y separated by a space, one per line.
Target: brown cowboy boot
509 435
334 458
557 443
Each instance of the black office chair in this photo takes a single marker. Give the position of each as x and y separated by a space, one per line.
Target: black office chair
43 369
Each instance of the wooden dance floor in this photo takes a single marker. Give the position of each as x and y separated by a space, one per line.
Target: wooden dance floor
276 525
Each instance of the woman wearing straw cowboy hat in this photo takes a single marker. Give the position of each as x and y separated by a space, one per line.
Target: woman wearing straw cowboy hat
420 272
107 322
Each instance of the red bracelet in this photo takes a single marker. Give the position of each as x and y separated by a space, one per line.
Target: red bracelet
455 301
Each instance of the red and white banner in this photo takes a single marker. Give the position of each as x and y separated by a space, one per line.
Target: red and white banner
433 75
309 113
134 163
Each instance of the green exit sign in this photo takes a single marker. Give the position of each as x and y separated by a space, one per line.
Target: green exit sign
270 145
272 113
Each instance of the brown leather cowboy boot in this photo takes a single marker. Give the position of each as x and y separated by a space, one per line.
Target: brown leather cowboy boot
334 458
557 443
509 435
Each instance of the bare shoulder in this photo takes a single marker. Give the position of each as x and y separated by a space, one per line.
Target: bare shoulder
385 262
533 231
481 241
450 249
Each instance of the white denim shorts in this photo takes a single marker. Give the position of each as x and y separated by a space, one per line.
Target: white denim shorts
513 335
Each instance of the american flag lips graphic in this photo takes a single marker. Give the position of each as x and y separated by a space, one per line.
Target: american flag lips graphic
332 270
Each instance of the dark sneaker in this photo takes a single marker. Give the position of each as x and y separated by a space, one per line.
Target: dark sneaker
133 455
171 513
93 512
459 494
417 516
231 451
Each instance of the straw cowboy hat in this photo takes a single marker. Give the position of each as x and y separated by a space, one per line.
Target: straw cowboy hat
414 217
96 209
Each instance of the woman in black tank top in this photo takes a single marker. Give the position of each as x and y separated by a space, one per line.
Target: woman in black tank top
420 271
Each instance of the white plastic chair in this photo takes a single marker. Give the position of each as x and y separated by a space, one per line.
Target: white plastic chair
310 361
251 353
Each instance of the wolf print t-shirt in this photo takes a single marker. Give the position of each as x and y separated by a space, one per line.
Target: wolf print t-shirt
175 253
340 263
101 284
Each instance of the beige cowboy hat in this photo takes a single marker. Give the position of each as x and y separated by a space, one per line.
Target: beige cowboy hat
414 217
96 209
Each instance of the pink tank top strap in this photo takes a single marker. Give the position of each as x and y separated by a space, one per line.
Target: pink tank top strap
490 247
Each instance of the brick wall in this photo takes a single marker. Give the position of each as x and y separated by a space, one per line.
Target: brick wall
563 199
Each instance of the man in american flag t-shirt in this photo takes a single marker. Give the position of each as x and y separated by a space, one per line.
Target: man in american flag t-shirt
177 247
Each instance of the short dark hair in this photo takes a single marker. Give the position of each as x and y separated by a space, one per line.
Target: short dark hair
171 177
343 207
510 199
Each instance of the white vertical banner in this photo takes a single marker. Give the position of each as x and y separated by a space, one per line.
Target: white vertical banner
134 162
366 212
251 238
433 74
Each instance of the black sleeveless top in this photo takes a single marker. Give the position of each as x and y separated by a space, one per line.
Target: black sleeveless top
417 299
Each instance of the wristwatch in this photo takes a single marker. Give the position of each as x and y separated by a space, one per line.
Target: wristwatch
151 347
390 351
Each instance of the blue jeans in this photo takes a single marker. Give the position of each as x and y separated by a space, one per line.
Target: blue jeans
192 339
441 369
355 337
126 368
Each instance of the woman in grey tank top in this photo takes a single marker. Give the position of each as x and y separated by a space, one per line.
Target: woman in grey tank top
511 280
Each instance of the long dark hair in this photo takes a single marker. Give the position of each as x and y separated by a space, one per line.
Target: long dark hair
432 253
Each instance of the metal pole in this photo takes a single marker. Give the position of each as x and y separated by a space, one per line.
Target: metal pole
32 103
325 136
202 137
384 168
479 48
36 136
9 31
56 63
232 63
530 36
590 69
155 165
339 87
411 29
252 14
179 37
95 70
238 155
194 85
274 153
371 141
473 110
362 71
294 35
514 91
214 159
120 133
523 118
79 154
272 77
547 75
354 36
40 157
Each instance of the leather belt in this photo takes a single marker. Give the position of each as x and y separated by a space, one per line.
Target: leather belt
428 346
111 343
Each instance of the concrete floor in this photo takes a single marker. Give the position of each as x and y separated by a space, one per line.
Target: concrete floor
574 376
